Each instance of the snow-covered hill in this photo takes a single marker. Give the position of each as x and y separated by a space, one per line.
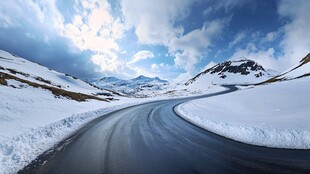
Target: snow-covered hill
230 72
32 94
33 74
139 86
274 113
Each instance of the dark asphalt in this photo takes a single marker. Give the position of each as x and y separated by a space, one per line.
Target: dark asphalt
151 138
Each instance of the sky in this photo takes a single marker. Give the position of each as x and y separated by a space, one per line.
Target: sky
173 39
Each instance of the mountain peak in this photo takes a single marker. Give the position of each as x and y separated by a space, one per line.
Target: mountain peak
236 69
306 59
142 77
243 67
109 79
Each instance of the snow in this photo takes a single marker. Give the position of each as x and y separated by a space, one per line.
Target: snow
34 70
230 72
32 120
293 73
209 79
22 108
274 115
139 86
297 71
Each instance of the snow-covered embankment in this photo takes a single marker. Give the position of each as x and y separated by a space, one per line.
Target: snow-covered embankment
275 115
17 150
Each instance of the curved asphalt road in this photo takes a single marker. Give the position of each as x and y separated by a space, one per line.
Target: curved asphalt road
151 138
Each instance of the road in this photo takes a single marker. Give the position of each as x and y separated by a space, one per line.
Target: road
151 138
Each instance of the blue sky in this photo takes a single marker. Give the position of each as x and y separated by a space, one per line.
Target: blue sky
173 39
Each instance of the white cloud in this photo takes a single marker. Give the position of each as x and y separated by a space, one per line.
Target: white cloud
189 48
263 57
237 39
296 38
154 70
106 63
271 36
154 23
155 67
141 55
162 70
111 65
296 42
209 65
228 4
154 20
94 28
36 13
207 11
6 18
31 36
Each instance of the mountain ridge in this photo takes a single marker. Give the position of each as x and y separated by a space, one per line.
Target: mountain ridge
221 71
132 86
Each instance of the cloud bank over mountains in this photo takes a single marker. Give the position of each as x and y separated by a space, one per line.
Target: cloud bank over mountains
171 39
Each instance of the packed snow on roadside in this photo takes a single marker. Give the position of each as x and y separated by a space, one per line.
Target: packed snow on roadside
274 115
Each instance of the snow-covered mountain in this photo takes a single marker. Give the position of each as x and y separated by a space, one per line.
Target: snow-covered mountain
302 69
137 86
243 71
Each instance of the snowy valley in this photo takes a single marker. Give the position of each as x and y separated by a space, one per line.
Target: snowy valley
40 106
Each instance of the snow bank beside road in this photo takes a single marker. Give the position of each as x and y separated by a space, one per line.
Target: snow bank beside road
275 115
17 152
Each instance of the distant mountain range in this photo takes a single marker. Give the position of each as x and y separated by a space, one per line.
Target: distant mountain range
136 85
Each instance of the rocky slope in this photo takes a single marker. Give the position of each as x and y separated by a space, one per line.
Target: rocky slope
231 72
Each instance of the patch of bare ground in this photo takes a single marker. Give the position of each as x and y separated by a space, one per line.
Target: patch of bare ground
271 80
305 75
2 80
56 91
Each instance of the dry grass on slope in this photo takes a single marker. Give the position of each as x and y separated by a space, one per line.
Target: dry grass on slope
56 91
